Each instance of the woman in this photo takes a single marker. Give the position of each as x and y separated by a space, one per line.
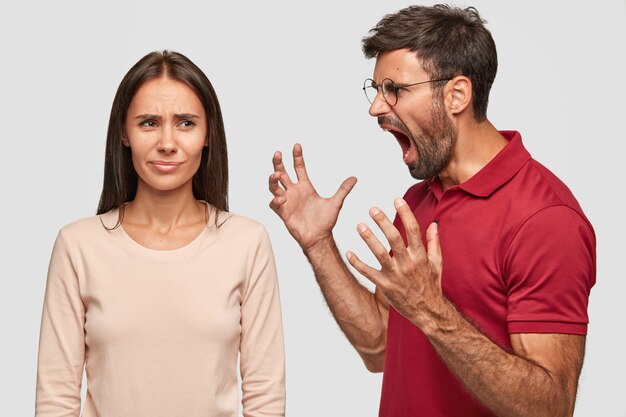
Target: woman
160 294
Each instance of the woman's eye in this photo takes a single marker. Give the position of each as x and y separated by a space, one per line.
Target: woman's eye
148 123
187 123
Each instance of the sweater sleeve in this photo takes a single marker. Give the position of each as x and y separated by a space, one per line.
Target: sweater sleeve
262 360
62 340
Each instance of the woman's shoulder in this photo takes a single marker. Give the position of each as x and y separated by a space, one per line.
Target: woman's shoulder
91 225
238 222
238 225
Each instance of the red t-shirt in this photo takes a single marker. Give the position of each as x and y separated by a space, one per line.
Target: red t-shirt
519 257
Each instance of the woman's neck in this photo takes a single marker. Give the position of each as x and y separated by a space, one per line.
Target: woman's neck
163 211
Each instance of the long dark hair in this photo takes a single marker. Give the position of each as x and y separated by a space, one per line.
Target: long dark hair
210 183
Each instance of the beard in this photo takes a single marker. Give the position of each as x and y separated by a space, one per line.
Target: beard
434 141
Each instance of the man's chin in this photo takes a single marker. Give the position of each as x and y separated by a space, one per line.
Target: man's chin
418 173
424 172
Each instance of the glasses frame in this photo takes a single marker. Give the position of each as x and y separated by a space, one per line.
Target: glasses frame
396 88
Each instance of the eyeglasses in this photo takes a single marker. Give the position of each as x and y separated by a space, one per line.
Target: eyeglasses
389 89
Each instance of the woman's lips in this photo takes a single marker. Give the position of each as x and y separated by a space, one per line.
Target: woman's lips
165 166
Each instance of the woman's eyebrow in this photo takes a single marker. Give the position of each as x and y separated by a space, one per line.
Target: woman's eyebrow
148 116
177 116
186 116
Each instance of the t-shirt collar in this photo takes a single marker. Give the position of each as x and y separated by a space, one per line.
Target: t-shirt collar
497 172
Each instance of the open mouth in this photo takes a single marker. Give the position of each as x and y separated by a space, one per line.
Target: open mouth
404 143
408 150
399 131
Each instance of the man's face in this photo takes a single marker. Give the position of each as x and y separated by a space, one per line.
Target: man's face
418 120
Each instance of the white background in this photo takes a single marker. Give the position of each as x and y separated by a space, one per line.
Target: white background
285 72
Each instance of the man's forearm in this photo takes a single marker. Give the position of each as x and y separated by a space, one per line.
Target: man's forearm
359 315
507 384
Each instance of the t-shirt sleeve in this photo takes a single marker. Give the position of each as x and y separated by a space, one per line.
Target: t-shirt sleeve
62 342
550 267
262 359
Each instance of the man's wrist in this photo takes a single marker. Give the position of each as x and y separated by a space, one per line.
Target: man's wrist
437 317
320 248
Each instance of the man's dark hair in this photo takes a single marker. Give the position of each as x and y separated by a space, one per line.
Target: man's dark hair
448 41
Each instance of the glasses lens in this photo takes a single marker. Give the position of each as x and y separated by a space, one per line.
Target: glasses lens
389 91
370 90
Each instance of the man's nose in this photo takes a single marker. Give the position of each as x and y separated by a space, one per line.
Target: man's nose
379 106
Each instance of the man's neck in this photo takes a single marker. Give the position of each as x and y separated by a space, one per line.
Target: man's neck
476 145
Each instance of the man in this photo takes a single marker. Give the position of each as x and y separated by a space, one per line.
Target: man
484 313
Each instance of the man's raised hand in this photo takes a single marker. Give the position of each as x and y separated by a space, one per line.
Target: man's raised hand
308 217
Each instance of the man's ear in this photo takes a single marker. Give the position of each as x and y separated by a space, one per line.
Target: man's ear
458 94
125 141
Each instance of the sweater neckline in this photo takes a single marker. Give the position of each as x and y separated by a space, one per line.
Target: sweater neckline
110 219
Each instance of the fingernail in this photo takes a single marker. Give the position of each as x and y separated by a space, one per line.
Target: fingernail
374 211
361 227
348 255
398 202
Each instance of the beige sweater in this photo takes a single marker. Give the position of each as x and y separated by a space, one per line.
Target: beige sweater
159 332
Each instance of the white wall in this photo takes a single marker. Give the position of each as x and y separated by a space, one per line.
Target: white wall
285 72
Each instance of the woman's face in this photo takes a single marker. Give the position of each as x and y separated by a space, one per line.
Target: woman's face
166 131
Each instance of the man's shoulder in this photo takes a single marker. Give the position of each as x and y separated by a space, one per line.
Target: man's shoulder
535 190
553 183
539 187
